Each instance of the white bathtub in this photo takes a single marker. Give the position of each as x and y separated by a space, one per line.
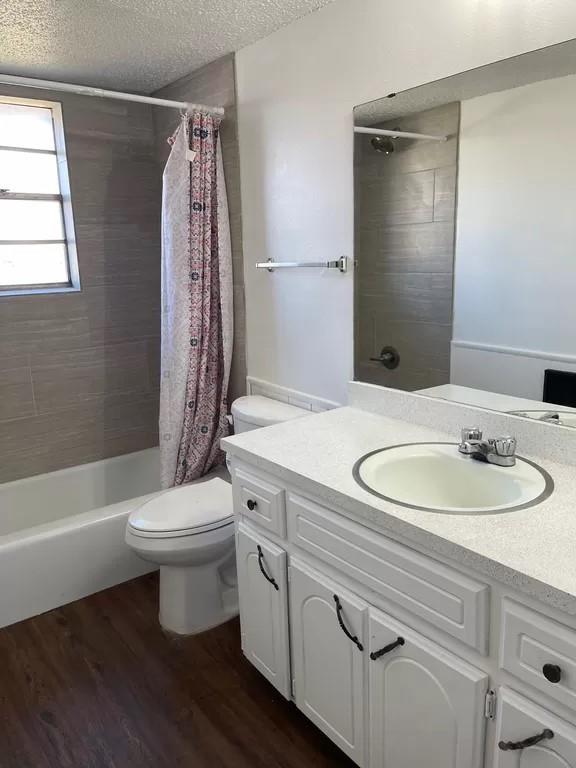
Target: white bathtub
62 534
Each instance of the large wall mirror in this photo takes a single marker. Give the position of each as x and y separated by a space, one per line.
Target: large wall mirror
465 232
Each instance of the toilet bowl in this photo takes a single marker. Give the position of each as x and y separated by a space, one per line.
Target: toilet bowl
189 532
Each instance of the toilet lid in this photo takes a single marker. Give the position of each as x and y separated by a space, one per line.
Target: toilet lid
193 508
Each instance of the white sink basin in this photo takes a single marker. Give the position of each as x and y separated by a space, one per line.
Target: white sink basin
435 477
565 418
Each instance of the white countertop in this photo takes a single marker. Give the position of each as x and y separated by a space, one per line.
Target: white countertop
533 549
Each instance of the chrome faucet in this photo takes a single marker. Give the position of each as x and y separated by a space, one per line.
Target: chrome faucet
498 450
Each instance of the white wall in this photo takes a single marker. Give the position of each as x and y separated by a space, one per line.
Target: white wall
515 271
296 91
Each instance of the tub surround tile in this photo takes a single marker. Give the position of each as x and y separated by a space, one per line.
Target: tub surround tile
408 298
77 434
56 456
63 379
423 345
531 550
425 247
136 265
154 363
408 198
445 194
86 391
403 287
14 361
16 392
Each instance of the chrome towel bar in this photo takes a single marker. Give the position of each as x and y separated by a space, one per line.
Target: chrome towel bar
340 264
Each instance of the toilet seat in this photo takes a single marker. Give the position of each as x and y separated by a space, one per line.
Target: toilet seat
198 507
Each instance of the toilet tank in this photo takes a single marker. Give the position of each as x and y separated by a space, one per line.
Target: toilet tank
255 411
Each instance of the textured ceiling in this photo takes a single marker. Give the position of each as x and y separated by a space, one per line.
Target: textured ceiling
136 45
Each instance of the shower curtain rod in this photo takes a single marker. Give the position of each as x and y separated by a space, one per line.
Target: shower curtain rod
399 134
85 90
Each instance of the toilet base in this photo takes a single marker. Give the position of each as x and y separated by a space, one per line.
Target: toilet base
193 600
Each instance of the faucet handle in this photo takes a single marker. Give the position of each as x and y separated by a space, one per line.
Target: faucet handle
471 433
505 446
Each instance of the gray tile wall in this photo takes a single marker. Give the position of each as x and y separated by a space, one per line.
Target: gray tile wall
79 371
404 228
214 85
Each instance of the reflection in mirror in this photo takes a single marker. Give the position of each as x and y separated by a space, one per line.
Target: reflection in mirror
465 225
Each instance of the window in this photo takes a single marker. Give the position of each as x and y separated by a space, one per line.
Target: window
37 243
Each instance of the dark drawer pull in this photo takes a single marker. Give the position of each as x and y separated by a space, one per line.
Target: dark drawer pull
343 626
261 565
505 746
251 504
552 673
387 648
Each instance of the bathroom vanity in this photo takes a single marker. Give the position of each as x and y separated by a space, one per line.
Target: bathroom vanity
410 638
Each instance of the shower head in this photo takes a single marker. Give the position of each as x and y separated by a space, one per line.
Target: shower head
384 144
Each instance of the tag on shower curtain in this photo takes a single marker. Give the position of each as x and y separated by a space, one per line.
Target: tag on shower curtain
190 155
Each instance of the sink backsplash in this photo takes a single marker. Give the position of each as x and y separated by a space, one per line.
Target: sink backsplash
546 441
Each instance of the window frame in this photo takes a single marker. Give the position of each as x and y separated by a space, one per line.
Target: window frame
64 198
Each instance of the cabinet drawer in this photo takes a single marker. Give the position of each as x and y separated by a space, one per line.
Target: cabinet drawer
539 651
443 597
260 500
520 719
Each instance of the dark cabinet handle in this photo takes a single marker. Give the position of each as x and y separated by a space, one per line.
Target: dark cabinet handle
261 565
387 648
505 746
343 626
552 673
251 504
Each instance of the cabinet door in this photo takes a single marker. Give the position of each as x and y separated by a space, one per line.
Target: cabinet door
426 705
263 594
519 719
328 664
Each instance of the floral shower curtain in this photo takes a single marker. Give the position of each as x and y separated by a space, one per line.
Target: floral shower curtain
196 303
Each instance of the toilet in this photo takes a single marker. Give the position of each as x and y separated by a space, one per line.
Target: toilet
189 532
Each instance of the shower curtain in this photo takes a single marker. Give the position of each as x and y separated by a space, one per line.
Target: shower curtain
196 347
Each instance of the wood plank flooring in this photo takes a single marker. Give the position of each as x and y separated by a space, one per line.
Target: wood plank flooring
98 684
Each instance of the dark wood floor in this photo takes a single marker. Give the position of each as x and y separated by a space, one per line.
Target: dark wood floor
97 684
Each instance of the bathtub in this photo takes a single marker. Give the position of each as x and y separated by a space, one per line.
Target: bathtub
62 533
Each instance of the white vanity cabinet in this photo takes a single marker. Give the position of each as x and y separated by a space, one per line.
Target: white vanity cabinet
426 704
520 719
263 593
389 651
327 632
